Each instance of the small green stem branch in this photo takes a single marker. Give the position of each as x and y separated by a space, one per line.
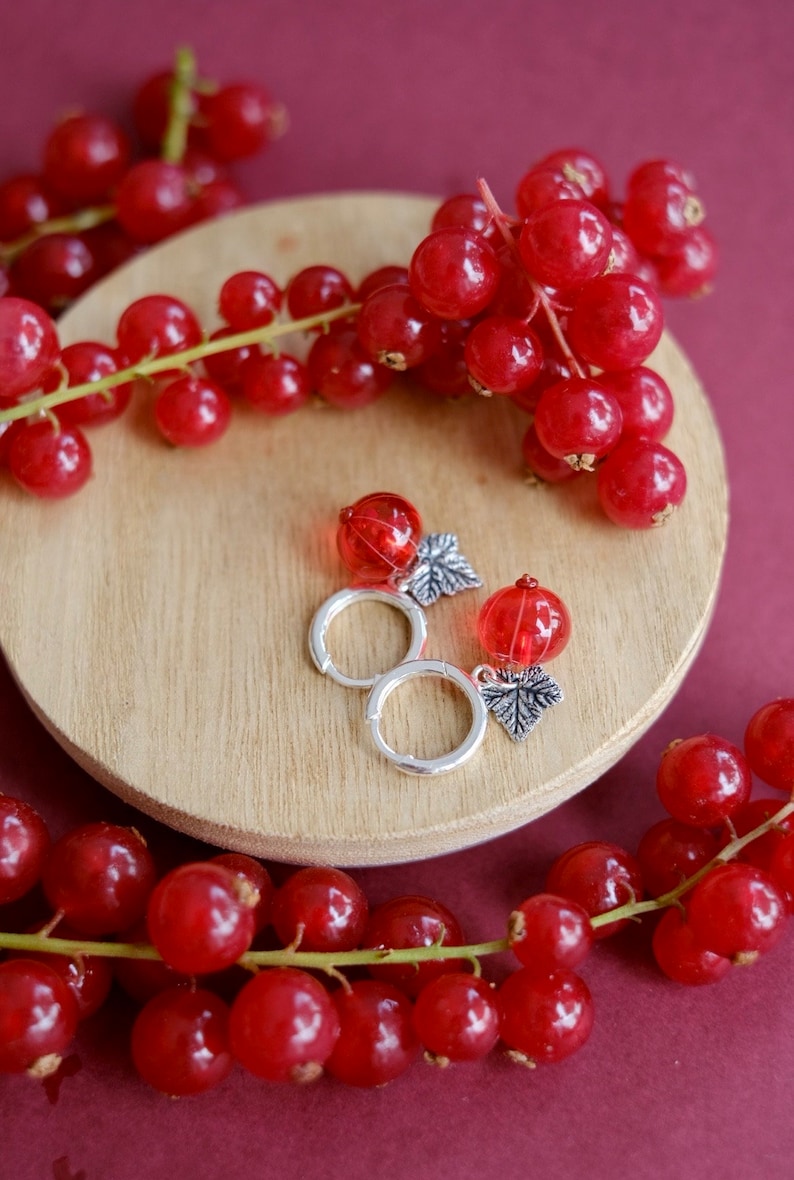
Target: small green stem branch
334 961
636 909
503 225
176 360
70 223
183 86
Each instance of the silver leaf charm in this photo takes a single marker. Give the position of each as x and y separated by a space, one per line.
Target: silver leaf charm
439 569
517 699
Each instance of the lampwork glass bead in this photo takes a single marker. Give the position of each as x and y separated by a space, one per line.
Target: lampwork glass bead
378 536
524 624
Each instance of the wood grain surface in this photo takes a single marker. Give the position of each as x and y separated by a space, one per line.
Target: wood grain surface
157 622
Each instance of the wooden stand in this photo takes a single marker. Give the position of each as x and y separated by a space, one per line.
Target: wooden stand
157 622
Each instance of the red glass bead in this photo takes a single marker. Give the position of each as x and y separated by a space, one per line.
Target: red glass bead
378 536
524 624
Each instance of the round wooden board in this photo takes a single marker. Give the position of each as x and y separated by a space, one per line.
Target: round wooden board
157 622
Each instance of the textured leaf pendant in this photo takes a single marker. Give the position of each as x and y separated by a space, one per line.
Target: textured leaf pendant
518 699
439 569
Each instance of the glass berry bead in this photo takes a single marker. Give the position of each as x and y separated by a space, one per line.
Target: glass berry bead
378 535
524 624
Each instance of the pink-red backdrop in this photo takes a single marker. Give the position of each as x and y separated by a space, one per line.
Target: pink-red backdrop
423 96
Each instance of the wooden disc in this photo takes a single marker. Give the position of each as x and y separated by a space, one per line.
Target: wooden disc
157 622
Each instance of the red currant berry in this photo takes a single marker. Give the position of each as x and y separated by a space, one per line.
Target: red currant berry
24 844
769 743
547 932
653 170
466 210
640 484
144 978
454 273
758 852
444 374
151 109
583 169
25 201
376 1041
54 270
226 368
384 276
781 867
503 355
737 911
412 921
84 362
524 624
154 200
250 872
320 909
180 1042
541 464
680 956
38 1017
378 536
703 780
623 257
88 977
100 875
200 917
672 851
616 321
456 1017
552 371
316 290
691 267
545 1017
276 384
645 400
49 461
283 1026
565 243
85 157
248 300
28 346
660 212
542 186
395 330
343 374
579 421
155 326
599 877
240 120
192 412
214 200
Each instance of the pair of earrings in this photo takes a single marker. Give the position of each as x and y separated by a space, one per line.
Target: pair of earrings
380 541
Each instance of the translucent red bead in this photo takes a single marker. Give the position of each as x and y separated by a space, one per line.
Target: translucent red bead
524 624
378 535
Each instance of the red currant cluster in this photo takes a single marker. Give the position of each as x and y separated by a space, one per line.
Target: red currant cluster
720 868
92 206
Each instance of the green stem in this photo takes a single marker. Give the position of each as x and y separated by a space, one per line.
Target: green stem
183 86
331 961
175 360
636 909
70 223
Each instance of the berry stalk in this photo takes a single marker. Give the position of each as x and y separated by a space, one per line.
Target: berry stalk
181 106
70 223
333 961
503 225
146 369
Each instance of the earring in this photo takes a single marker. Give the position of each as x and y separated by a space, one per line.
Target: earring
380 540
522 624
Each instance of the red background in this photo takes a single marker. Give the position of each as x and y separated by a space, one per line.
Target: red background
423 96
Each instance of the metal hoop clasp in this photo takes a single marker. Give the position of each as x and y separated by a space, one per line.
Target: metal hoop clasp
333 606
386 684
